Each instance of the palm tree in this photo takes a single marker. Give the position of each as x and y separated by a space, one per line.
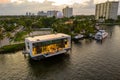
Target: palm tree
28 24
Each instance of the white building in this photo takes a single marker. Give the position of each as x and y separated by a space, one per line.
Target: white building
107 10
59 14
51 13
67 12
41 13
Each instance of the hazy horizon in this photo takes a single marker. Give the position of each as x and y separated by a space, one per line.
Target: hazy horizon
20 7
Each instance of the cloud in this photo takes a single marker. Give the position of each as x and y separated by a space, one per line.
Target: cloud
88 8
68 2
4 1
16 8
20 7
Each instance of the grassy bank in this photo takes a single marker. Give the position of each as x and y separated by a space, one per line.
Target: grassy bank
12 48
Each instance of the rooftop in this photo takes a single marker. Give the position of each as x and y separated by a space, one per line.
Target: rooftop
46 37
109 2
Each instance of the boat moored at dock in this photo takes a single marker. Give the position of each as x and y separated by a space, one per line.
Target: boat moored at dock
101 34
78 37
47 45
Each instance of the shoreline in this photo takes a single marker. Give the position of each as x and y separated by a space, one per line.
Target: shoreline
12 48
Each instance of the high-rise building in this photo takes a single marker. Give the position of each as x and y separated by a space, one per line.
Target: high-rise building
52 13
41 13
26 13
107 10
67 12
29 14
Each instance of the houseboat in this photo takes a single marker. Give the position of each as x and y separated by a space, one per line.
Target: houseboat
44 46
101 34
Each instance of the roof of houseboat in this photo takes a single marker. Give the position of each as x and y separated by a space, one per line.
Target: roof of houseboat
46 37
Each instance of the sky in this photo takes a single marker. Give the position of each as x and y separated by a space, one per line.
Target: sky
20 7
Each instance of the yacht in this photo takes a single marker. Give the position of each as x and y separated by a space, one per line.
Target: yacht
78 37
101 34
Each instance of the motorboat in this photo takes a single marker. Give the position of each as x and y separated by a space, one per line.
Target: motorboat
101 34
78 37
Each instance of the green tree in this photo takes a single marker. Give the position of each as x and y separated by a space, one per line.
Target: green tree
27 25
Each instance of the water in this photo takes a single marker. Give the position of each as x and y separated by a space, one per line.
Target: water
89 60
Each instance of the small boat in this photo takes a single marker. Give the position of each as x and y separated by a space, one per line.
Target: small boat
39 47
78 37
101 34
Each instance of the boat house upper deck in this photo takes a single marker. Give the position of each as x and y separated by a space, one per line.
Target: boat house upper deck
46 37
